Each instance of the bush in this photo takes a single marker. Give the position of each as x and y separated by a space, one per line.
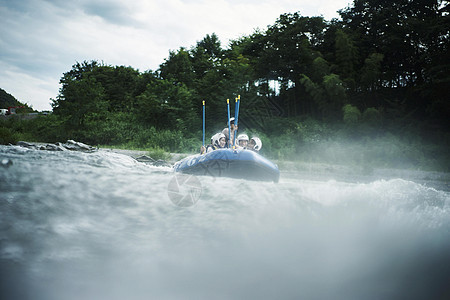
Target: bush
351 114
190 145
282 147
311 131
371 116
158 153
7 136
46 129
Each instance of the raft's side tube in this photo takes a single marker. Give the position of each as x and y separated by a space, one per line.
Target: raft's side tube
244 164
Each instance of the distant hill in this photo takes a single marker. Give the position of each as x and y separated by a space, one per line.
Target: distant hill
7 100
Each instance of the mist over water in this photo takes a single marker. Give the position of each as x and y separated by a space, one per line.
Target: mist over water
102 226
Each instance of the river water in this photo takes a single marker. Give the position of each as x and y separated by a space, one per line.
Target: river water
101 225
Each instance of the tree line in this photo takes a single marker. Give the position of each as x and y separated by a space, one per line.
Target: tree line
382 59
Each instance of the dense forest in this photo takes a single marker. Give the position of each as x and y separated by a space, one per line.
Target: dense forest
382 67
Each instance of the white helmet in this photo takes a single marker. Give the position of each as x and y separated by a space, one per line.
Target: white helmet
213 138
258 143
216 138
242 137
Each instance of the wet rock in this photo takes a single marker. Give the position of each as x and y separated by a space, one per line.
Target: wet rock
145 159
55 147
77 146
26 145
150 161
69 145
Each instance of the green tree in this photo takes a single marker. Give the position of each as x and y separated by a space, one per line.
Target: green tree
399 31
178 68
320 68
286 51
119 83
329 94
371 72
79 99
210 45
166 106
413 38
346 58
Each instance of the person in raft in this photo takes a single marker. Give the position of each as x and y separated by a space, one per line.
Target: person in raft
218 141
254 144
242 141
233 131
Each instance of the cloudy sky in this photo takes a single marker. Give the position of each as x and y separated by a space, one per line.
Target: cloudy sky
42 39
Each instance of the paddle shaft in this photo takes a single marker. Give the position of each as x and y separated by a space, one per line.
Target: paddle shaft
236 117
229 125
203 123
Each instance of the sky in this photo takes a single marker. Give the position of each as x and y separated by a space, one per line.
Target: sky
42 39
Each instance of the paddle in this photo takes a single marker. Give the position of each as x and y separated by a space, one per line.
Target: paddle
236 117
203 123
229 125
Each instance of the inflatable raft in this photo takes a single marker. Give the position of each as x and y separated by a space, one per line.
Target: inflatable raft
244 164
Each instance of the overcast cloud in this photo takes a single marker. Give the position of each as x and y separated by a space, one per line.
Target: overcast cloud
42 39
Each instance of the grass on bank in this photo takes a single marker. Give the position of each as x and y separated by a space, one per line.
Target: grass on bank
156 153
367 146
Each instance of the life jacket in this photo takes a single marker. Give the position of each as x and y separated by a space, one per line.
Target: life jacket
209 148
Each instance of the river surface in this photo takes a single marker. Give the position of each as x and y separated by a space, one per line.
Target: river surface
101 225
